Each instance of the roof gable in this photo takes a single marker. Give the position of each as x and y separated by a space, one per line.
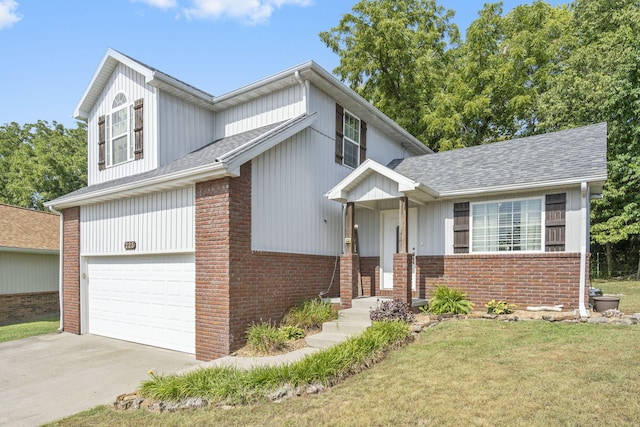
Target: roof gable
28 229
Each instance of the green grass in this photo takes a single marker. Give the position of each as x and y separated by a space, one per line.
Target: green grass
473 372
29 329
629 291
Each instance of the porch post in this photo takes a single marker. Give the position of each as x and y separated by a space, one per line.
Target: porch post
403 260
349 261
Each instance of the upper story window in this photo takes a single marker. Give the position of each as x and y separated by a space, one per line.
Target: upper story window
120 127
509 225
351 138
120 133
351 142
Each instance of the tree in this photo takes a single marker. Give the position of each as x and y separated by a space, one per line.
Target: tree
600 81
500 71
39 162
396 54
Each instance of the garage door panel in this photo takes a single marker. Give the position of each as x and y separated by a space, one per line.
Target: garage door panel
148 299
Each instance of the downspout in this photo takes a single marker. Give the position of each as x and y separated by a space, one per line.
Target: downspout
584 227
304 84
60 268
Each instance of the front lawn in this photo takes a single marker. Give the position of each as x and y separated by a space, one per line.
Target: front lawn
29 329
471 372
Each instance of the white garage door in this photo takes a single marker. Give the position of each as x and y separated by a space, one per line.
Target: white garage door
144 299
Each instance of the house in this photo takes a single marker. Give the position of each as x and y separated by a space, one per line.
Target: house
204 214
29 264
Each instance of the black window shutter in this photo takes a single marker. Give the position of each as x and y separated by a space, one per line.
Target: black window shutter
554 230
101 141
461 228
137 130
363 141
339 132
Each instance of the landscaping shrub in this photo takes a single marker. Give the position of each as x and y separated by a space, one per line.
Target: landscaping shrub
310 314
234 385
265 337
292 332
392 310
449 300
500 307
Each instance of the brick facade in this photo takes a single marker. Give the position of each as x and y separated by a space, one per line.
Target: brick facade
236 286
524 279
16 308
71 270
402 269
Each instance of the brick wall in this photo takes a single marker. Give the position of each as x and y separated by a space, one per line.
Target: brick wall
236 286
523 279
71 270
15 308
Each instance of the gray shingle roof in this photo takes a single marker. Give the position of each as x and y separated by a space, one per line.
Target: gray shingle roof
560 156
203 156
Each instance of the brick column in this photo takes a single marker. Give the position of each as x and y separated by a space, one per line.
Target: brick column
71 269
349 264
402 272
212 224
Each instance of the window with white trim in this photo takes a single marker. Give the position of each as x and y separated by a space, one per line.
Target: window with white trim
507 225
119 131
351 147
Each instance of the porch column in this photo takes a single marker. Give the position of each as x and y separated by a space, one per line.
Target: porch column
403 260
349 261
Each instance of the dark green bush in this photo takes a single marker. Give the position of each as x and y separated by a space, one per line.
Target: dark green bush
449 300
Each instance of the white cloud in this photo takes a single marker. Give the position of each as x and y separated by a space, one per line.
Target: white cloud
161 4
251 11
8 13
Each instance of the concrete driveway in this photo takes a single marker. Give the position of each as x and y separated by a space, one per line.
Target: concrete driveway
49 377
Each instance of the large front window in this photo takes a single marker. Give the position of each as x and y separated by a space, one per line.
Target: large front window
351 140
120 142
511 225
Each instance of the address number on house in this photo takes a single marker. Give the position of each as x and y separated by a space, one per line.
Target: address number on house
129 246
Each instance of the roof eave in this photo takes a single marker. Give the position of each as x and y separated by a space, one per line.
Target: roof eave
529 186
164 182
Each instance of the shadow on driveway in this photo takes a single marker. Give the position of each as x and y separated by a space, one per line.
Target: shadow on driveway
48 377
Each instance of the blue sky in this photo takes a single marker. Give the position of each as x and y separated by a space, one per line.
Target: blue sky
49 50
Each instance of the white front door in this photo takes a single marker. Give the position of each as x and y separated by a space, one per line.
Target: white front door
144 299
390 221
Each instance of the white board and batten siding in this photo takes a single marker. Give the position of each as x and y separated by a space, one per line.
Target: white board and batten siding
24 272
146 295
183 127
159 223
132 84
289 210
436 221
271 108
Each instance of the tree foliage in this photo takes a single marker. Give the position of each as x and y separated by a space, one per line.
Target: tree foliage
39 162
538 68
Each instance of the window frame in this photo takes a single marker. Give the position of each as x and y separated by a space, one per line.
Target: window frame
109 137
347 140
540 199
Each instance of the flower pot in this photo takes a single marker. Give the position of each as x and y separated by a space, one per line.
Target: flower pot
605 303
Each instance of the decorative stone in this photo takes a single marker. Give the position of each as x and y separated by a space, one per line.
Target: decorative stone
548 318
280 393
315 388
489 316
416 328
598 320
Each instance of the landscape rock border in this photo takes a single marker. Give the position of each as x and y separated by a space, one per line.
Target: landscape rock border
133 401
